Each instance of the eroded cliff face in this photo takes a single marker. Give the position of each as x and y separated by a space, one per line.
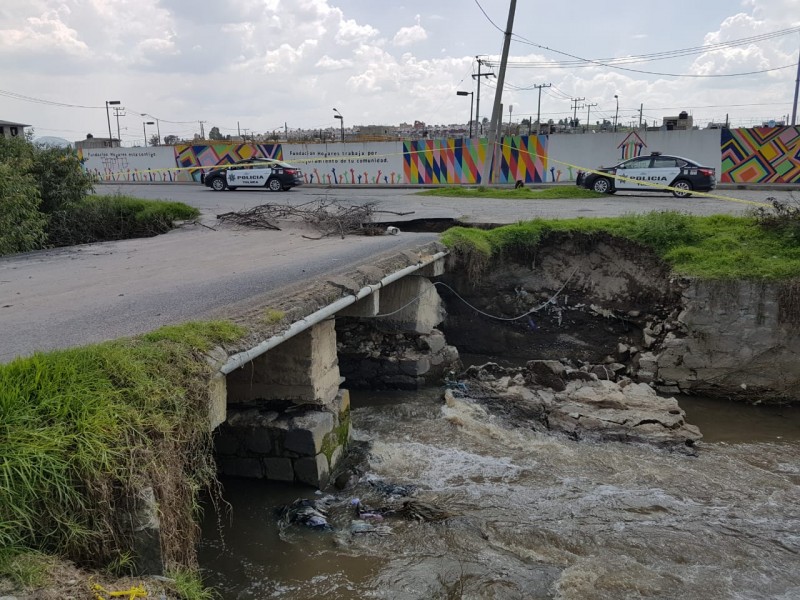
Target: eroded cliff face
614 309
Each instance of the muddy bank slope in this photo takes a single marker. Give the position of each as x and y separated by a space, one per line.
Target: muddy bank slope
613 306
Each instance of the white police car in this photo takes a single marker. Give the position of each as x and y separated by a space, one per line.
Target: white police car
651 174
253 172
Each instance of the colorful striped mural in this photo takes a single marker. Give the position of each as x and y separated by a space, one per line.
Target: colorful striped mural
209 155
761 155
456 161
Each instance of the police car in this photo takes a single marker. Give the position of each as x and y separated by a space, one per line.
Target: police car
651 174
253 172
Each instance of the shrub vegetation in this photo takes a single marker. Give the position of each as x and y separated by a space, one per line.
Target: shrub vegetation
45 201
81 430
756 246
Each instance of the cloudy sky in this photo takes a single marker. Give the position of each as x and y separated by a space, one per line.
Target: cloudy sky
260 64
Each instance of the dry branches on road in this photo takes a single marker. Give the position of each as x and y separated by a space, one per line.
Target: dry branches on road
327 217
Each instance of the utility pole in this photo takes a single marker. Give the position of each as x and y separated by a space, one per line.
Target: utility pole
796 89
238 129
498 97
478 101
117 111
641 109
575 111
539 107
589 110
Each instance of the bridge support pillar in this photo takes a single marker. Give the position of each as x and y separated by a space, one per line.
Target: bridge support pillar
400 348
303 370
287 418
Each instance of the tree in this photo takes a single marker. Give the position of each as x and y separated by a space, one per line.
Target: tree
154 141
214 134
170 140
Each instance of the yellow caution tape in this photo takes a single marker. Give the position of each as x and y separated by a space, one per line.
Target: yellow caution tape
533 154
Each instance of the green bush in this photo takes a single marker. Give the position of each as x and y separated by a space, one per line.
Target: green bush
22 226
60 177
103 218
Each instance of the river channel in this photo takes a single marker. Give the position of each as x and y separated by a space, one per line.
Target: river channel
530 515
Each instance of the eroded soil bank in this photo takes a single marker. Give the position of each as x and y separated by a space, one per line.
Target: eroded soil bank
611 307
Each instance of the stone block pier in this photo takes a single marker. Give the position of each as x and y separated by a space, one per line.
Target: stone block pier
281 410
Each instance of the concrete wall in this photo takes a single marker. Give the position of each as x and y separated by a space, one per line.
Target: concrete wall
759 155
607 148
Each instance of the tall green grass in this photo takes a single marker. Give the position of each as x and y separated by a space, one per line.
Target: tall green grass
82 429
114 217
715 247
556 192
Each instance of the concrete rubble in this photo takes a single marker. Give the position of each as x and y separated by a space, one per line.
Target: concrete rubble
582 405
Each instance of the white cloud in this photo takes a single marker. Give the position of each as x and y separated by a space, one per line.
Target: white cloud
43 34
350 32
331 64
407 36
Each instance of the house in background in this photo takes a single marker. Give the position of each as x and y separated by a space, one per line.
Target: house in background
10 130
95 142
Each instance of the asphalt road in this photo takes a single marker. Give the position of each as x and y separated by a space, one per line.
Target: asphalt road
73 296
478 210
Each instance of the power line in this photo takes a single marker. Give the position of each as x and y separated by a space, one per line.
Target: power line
610 66
488 18
24 98
640 58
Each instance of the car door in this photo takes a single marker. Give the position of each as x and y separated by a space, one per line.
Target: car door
633 171
247 175
665 169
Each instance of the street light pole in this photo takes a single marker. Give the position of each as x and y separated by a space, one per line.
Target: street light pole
144 129
158 127
616 114
472 98
339 116
108 118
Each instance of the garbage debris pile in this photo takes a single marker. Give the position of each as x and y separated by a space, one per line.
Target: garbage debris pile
356 516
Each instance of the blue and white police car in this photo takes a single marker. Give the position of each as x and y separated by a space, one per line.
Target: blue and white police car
651 174
275 175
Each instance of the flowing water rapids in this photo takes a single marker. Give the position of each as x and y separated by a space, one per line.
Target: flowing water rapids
531 515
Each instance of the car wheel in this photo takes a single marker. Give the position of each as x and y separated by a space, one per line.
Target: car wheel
602 186
218 184
274 184
683 189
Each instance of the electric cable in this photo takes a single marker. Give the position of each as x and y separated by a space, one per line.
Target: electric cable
478 310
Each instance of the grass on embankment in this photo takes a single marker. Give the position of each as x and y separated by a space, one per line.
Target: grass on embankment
81 430
114 217
714 247
557 192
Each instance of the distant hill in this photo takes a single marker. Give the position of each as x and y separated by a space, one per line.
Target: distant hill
56 142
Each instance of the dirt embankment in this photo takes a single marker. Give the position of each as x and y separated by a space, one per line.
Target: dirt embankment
613 308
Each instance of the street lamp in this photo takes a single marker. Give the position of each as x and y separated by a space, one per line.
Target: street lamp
158 127
339 116
144 128
472 98
616 114
108 118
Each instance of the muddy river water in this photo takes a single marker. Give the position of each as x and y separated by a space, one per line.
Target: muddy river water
531 515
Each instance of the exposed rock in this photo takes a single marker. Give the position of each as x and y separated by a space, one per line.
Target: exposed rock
547 373
589 408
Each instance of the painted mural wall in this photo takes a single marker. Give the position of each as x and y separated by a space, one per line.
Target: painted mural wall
760 155
569 153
